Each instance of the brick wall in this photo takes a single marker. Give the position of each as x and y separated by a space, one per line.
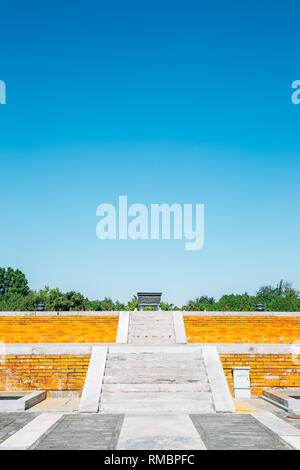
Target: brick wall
58 329
242 329
43 372
266 370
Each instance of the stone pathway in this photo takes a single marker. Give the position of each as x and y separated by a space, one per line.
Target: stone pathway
159 432
148 432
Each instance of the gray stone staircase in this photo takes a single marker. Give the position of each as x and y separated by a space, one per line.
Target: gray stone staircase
151 328
153 373
155 379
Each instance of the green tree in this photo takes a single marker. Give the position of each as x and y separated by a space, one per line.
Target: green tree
13 281
167 307
200 304
235 303
2 281
132 304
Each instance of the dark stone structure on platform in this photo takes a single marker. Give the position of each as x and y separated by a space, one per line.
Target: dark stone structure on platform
149 299
260 308
40 307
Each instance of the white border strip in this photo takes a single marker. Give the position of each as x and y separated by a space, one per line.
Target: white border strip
180 334
86 348
79 313
241 314
247 348
123 327
90 398
220 391
32 432
285 431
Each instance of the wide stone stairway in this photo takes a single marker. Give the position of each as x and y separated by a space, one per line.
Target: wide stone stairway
148 379
153 369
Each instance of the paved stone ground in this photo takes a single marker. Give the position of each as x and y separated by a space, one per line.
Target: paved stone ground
236 431
10 423
258 404
89 432
159 432
178 432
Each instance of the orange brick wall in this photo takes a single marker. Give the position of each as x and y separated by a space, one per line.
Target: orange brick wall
242 329
266 370
72 329
43 372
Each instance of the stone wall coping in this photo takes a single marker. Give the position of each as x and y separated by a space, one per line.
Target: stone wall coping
59 314
251 348
241 314
86 348
115 313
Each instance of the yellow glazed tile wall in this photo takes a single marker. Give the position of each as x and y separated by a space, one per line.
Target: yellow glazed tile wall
72 329
241 329
43 372
266 370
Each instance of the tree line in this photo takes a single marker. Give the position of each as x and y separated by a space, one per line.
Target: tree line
16 295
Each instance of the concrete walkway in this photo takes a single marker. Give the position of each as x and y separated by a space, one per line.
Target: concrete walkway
159 432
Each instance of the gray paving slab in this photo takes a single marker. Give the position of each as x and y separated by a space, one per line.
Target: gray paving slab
78 432
159 432
10 423
236 432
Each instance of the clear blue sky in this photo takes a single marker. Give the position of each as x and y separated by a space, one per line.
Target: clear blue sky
186 102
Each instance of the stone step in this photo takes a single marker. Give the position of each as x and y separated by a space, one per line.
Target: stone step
152 314
156 372
146 397
150 387
153 357
149 340
151 321
156 364
160 349
149 328
151 334
152 407
146 330
151 324
163 379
